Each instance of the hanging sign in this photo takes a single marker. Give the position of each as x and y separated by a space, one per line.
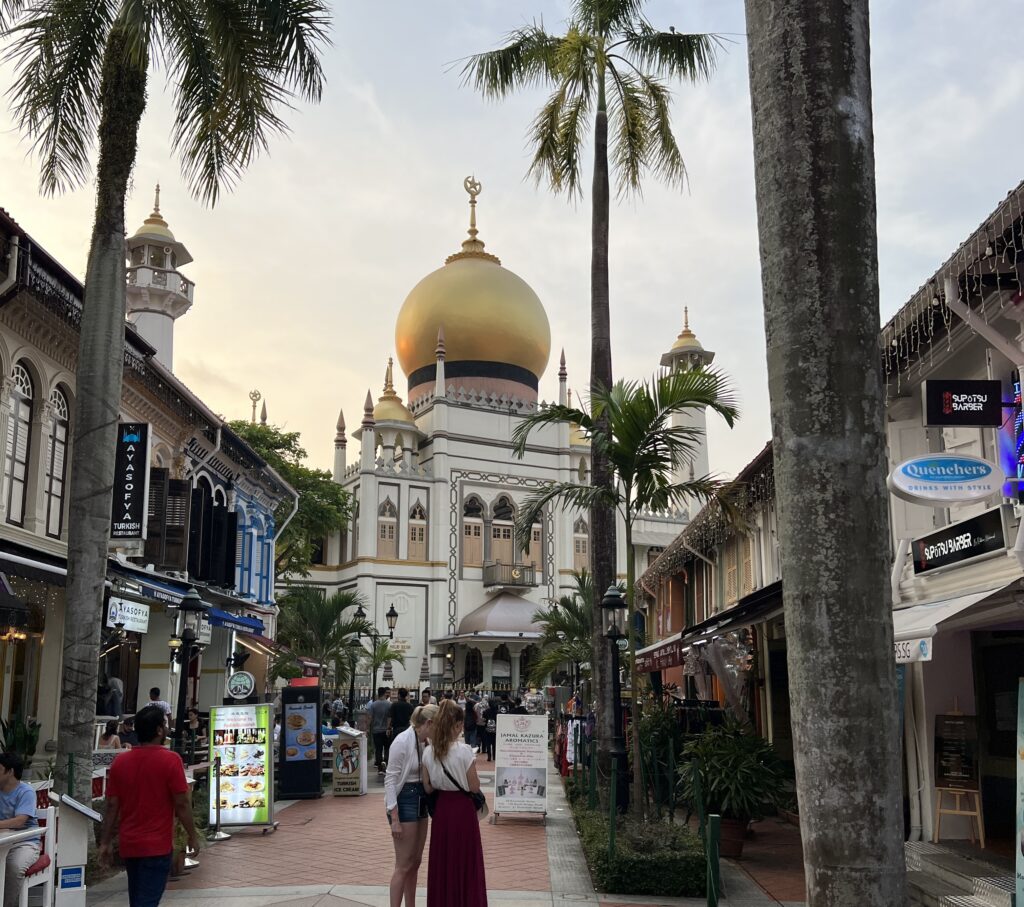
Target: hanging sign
910 650
963 403
241 685
520 764
937 480
132 616
240 735
131 481
963 541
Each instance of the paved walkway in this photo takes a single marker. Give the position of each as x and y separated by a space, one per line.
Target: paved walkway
337 852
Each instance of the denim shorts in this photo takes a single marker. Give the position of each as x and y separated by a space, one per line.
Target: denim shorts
412 803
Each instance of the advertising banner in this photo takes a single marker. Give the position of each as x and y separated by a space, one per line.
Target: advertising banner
131 481
300 724
936 480
520 764
300 772
349 760
241 736
133 616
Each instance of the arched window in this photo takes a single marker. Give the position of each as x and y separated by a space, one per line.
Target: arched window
472 532
387 524
503 532
56 460
418 532
19 428
580 545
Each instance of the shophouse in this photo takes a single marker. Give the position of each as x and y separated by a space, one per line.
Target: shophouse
209 513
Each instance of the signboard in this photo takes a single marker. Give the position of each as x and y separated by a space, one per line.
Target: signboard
241 736
956 752
521 764
71 877
241 685
131 481
349 763
910 650
963 403
205 634
131 615
959 542
936 480
667 655
1020 791
299 766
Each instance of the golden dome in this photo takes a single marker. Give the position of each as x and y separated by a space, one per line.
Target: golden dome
686 340
390 407
489 314
155 225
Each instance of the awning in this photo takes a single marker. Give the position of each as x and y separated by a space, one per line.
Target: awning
260 644
13 611
759 606
230 621
914 627
666 653
21 561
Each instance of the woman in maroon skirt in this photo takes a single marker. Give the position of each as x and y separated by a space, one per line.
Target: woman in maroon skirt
455 868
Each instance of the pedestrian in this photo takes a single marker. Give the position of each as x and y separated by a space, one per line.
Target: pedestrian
128 736
109 739
380 714
154 699
518 708
17 812
401 712
480 710
115 696
426 698
491 725
338 707
144 812
469 722
455 867
405 800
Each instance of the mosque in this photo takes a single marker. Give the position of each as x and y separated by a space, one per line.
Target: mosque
436 485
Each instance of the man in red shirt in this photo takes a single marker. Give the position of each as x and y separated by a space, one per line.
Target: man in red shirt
146 789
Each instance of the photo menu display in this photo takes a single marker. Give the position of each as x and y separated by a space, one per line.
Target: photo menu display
300 727
240 736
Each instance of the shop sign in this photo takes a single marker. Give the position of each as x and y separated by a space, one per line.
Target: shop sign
963 403
960 542
133 616
520 764
241 685
910 650
131 481
667 655
940 479
205 635
956 752
241 736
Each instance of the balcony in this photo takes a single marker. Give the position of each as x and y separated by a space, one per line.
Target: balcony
511 575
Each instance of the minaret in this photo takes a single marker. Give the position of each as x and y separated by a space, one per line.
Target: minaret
563 394
688 353
157 294
367 436
340 444
263 414
439 388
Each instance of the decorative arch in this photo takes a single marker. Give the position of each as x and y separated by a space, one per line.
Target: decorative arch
417 531
387 509
580 545
503 545
25 385
474 672
473 531
387 529
503 508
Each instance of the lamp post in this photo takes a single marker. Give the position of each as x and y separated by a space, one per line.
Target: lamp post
613 606
392 618
183 648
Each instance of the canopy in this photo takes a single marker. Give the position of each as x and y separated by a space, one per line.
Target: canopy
240 622
914 627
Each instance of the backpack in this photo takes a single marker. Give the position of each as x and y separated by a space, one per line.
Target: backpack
492 725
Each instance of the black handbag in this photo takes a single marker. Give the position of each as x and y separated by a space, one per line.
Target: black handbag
479 800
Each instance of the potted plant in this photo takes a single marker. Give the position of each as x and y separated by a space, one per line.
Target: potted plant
741 779
21 737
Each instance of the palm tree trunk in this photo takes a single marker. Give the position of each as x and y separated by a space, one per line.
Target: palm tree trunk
814 165
97 404
602 517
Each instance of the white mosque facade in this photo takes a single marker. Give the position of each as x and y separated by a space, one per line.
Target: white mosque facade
437 486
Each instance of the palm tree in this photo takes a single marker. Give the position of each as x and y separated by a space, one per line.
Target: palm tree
611 68
646 448
810 81
567 630
82 71
317 627
379 654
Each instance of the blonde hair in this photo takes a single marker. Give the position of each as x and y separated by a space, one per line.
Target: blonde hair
422 714
447 725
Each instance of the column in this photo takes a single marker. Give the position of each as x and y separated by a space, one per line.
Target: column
513 653
488 659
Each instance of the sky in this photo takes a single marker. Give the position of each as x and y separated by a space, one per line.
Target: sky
300 272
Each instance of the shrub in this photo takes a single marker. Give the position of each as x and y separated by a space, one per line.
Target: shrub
653 858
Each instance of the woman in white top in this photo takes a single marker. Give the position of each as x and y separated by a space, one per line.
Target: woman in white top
405 802
455 871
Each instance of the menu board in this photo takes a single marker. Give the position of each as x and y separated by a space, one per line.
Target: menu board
300 726
240 736
956 752
520 764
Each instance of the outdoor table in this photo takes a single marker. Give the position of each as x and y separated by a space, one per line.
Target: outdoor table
9 839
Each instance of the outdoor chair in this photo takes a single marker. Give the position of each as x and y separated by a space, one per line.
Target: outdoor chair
41 871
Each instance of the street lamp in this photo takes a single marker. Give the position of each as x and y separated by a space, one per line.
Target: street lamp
613 606
392 618
184 647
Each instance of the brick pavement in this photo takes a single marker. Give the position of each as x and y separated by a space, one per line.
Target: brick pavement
346 841
773 857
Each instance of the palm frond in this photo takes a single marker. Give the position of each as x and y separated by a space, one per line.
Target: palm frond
569 495
544 137
672 54
630 124
58 52
608 17
666 158
526 61
573 128
298 30
548 415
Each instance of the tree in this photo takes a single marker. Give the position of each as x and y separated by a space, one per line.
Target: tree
814 167
567 630
316 626
379 654
645 450
323 506
81 73
611 65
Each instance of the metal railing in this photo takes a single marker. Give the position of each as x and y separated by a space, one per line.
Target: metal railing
498 574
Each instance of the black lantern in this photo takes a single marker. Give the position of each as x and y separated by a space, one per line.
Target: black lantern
392 618
613 606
